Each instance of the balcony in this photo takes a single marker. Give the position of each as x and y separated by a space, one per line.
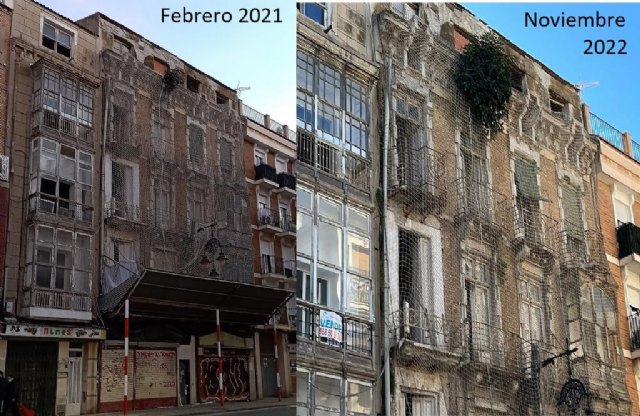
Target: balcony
48 121
479 204
535 233
269 221
122 210
416 178
584 249
634 330
40 303
334 161
288 225
275 270
428 339
286 184
266 177
340 332
44 204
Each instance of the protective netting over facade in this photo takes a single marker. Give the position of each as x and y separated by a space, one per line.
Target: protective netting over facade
175 194
500 297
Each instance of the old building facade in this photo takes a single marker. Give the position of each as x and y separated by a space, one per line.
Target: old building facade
269 160
337 221
619 210
52 330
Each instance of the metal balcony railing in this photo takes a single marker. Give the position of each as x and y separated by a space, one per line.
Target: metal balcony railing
354 335
288 223
267 216
54 121
538 230
477 199
286 181
634 329
583 249
60 207
264 171
270 264
628 236
607 132
419 325
333 160
116 208
54 299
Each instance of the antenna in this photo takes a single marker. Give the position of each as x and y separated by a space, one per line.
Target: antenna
240 89
586 84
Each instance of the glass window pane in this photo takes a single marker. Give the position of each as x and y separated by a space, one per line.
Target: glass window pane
65 238
45 234
329 209
43 276
329 123
328 392
81 281
304 234
329 88
49 31
359 398
329 243
357 220
302 387
303 199
315 12
329 288
358 296
304 111
303 280
304 74
358 253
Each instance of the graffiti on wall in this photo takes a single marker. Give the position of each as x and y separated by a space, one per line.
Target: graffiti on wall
235 378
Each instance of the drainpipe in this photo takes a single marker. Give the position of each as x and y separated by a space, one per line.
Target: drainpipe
105 129
386 302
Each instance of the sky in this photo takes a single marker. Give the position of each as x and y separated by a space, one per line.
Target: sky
260 56
616 99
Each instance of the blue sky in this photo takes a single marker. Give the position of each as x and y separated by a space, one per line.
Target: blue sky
260 56
617 99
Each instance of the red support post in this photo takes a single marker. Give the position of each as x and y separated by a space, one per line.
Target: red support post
220 385
275 345
125 404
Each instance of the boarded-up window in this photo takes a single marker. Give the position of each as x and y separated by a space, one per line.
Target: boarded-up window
526 178
226 156
196 146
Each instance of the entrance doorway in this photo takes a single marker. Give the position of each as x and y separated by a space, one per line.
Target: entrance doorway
185 382
74 387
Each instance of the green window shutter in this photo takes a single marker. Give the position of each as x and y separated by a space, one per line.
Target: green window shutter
572 209
526 179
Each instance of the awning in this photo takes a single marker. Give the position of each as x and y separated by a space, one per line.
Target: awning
162 295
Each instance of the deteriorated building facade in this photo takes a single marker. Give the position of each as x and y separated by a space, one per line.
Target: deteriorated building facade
337 176
496 258
51 325
619 211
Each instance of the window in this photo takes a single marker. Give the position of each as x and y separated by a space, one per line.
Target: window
314 11
123 251
221 99
342 105
162 202
622 208
407 120
528 221
475 174
328 391
599 316
226 156
196 144
60 260
573 222
359 398
260 157
61 180
531 310
556 102
517 79
120 45
56 38
121 129
195 206
281 165
122 192
67 103
420 405
414 58
193 84
161 137
480 304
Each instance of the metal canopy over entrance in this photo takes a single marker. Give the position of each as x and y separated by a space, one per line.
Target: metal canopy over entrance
163 295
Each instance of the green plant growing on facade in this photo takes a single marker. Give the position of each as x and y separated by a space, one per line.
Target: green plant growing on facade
172 79
484 78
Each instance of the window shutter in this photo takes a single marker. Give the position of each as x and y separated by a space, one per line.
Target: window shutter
572 209
526 179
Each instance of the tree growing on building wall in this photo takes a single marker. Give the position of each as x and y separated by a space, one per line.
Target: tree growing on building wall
484 78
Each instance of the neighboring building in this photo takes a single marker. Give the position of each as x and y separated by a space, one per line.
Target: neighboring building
619 211
51 329
176 240
337 176
495 256
269 161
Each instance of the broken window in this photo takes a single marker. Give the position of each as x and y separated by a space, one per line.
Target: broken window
61 259
528 219
517 79
409 275
221 99
556 102
56 38
120 45
420 405
314 11
196 144
408 169
61 180
193 84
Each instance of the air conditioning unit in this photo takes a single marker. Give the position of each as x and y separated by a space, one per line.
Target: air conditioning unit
4 168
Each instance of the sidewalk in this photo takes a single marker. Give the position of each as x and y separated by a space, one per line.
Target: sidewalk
202 409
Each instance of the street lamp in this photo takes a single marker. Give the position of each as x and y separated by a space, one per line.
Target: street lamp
212 252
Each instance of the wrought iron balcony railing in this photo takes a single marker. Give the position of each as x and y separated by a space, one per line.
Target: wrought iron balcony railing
269 217
60 207
537 230
116 208
419 325
270 264
286 181
264 171
583 249
354 335
333 160
478 200
48 119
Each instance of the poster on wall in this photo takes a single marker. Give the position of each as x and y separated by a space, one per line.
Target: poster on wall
330 326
